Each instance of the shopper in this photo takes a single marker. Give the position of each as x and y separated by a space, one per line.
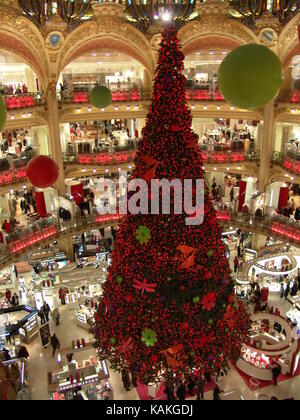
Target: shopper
191 385
46 310
276 371
41 314
126 379
55 344
181 391
217 393
62 296
169 390
281 290
236 264
23 353
56 316
287 291
8 295
6 356
200 384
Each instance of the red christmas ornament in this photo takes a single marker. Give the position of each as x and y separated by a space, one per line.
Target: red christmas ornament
230 299
175 128
207 275
182 288
42 171
154 358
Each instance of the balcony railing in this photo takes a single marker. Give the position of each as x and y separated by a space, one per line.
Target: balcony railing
26 100
204 95
290 96
44 229
289 161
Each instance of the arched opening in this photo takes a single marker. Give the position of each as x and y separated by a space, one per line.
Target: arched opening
128 81
221 139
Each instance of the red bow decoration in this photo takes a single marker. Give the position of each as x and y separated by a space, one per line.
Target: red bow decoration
151 165
172 354
144 286
126 346
189 256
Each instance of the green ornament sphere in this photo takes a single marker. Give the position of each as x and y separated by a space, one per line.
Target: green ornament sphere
196 299
169 279
119 279
192 353
210 322
250 76
210 253
3 112
113 340
100 97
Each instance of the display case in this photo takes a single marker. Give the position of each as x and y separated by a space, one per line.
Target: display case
77 374
249 254
85 316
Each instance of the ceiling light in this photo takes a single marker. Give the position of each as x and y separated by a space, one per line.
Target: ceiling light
228 169
193 106
99 62
205 108
12 117
211 52
102 109
136 107
23 115
232 108
218 108
198 53
107 170
94 54
116 108
127 107
239 168
89 109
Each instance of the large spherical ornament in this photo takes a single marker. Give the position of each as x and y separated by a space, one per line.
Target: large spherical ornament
100 97
42 171
250 76
3 112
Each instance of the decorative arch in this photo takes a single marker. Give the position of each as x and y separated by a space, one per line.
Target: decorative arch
19 36
107 35
288 42
212 32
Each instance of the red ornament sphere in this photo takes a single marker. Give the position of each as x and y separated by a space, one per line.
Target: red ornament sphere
207 275
42 171
154 358
230 299
175 128
182 288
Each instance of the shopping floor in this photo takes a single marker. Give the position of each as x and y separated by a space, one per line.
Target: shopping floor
41 361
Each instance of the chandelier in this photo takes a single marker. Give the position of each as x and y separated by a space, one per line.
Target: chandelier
253 9
144 13
41 11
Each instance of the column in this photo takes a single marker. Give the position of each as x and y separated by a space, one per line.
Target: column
147 82
54 136
66 245
30 78
267 146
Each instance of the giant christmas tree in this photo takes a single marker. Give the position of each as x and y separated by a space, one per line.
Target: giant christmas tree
168 306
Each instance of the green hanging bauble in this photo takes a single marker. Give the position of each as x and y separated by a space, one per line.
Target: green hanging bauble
100 97
196 299
210 253
113 341
3 112
250 76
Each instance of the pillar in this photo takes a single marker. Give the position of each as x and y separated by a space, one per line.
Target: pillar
267 146
54 136
66 245
30 79
147 81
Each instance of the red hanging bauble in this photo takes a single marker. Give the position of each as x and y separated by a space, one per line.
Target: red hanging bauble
175 128
207 275
42 171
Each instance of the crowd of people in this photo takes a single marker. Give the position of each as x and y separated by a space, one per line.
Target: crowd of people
19 89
